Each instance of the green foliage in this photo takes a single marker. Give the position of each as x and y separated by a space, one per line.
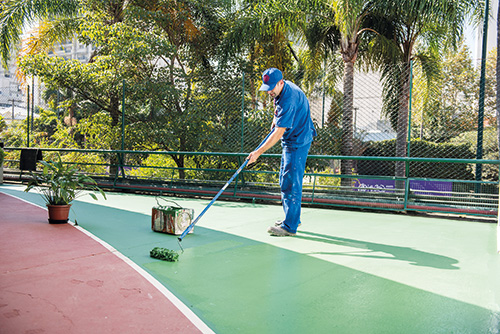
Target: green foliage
183 91
164 254
328 180
15 134
490 96
490 141
98 132
2 156
489 172
3 125
490 150
61 183
15 14
46 124
444 96
161 162
92 163
64 137
160 59
327 142
98 81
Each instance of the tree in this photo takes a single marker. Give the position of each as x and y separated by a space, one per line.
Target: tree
181 77
355 19
162 55
3 125
429 26
446 105
326 27
16 14
258 33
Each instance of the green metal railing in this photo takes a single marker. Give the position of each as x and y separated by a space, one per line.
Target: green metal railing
320 189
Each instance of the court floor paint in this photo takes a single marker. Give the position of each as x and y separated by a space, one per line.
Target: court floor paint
344 272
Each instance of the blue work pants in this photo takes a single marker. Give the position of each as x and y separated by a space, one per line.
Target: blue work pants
293 165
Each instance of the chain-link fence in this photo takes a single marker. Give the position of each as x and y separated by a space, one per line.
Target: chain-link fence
13 100
416 111
231 115
440 120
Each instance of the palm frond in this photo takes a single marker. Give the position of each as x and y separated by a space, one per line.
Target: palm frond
16 14
43 37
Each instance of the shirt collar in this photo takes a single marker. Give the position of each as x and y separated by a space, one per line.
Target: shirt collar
276 99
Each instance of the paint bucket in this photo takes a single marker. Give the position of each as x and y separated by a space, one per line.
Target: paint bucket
171 220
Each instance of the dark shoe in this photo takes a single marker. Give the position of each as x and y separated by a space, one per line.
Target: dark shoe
279 231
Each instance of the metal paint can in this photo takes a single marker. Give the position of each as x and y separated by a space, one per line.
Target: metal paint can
171 220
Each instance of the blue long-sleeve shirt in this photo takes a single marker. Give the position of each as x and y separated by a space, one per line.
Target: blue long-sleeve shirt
292 112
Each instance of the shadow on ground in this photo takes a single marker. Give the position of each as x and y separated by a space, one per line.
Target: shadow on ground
407 254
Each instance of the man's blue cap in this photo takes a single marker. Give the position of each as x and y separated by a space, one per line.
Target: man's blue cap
270 78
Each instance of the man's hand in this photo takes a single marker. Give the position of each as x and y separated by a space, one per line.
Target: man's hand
252 157
273 139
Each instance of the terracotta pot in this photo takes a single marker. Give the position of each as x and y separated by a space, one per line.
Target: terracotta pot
58 214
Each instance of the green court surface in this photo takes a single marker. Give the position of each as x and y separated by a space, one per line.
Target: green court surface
344 272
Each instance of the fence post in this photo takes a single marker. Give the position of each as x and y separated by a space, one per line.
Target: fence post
32 101
323 89
242 109
242 129
408 147
480 112
122 155
28 118
57 102
123 116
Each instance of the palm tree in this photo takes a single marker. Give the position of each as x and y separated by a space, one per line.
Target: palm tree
17 14
434 26
260 31
355 21
326 26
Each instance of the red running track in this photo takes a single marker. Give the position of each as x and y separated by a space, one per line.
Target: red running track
57 279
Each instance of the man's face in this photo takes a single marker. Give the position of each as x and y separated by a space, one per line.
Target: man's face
276 90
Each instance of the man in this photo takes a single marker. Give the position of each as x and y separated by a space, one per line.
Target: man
292 124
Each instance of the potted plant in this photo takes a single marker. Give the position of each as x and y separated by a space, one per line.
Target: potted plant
59 184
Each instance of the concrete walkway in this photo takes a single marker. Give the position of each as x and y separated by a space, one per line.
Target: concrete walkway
57 279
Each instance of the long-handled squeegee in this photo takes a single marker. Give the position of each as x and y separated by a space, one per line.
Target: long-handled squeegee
190 227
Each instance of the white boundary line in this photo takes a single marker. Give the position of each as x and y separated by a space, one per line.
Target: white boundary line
169 295
498 224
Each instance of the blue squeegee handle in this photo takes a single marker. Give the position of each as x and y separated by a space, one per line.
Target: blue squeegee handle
190 227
